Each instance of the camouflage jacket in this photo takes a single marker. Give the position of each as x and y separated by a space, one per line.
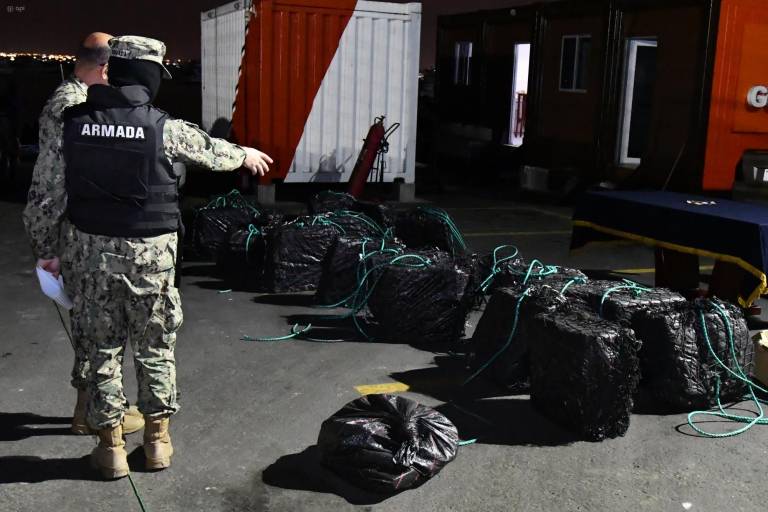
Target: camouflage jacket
44 216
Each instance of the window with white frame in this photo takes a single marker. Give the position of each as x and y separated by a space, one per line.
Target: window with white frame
574 63
462 63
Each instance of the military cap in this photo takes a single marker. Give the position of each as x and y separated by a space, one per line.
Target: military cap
142 48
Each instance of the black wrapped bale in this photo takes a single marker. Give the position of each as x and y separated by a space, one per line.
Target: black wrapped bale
387 443
329 201
423 305
621 305
678 366
514 274
422 229
355 224
295 254
506 356
241 260
584 373
212 227
343 262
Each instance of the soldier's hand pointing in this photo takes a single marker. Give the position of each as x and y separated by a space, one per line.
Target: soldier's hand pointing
256 161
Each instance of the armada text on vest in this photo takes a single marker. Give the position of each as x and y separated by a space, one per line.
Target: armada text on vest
111 130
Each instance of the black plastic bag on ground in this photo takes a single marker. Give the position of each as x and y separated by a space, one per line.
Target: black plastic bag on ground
212 227
424 228
387 443
329 201
678 367
503 356
342 264
622 304
584 372
421 304
295 254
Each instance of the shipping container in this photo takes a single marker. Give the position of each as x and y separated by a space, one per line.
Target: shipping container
643 93
222 33
313 76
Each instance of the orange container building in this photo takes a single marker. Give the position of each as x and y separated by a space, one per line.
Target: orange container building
646 93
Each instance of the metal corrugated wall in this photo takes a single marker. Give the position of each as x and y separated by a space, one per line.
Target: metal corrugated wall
374 72
222 37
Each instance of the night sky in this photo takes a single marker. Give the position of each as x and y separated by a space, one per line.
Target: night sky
57 26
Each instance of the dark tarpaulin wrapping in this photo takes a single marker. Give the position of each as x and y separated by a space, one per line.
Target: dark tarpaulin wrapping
341 265
678 368
584 372
513 273
294 256
212 227
422 305
329 201
419 229
241 259
387 443
511 367
355 224
621 305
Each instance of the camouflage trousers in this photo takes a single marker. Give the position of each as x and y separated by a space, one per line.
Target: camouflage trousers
111 309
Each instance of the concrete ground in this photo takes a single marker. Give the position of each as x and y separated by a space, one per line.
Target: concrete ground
251 411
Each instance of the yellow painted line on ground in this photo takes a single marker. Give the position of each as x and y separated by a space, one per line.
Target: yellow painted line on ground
388 387
517 233
652 270
509 208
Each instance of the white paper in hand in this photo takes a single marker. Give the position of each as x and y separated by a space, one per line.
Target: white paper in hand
53 288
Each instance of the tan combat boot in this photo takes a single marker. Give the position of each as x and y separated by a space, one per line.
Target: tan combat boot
132 420
157 442
110 457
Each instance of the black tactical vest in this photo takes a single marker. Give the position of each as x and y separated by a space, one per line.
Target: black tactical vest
119 181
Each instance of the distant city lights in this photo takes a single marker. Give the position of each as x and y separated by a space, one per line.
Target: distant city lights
65 58
45 57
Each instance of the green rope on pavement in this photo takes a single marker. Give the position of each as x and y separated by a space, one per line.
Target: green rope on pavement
739 374
295 332
137 494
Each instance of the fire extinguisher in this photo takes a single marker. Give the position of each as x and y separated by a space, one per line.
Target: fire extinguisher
375 145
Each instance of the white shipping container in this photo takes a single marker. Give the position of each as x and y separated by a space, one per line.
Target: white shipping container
222 37
374 71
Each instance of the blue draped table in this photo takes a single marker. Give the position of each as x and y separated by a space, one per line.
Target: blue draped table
728 231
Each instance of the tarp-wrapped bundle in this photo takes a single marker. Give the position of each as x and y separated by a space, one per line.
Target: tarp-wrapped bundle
329 201
426 228
212 227
354 224
345 264
423 298
679 368
619 301
501 339
241 259
295 254
387 443
584 372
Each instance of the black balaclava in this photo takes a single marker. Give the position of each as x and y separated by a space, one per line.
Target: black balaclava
124 72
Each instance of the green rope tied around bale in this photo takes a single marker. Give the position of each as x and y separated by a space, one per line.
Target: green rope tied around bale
363 218
444 217
252 231
233 199
739 374
571 282
631 286
497 263
508 342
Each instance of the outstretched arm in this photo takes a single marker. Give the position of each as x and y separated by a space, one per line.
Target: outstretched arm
186 142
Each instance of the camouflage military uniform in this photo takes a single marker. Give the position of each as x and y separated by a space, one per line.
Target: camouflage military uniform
48 198
124 286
